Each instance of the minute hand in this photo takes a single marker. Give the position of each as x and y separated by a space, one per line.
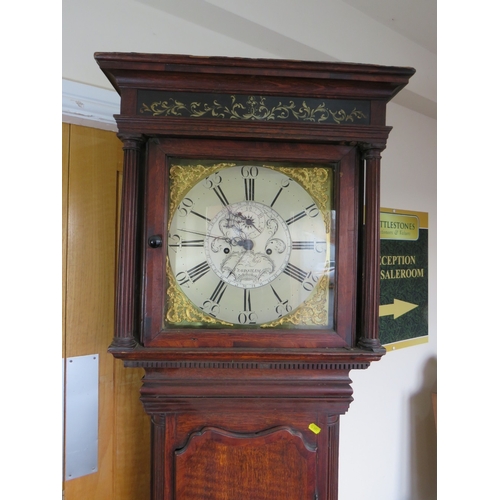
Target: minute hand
227 240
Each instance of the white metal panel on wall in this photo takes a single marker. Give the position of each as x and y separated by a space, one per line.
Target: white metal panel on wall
81 415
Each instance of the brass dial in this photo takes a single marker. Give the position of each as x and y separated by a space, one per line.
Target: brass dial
247 245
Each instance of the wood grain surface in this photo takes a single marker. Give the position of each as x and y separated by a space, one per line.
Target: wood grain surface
92 163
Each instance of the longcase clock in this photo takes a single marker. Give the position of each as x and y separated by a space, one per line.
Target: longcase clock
248 282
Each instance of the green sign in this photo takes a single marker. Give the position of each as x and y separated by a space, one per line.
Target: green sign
403 278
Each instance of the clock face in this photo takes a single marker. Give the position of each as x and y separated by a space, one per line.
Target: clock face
247 244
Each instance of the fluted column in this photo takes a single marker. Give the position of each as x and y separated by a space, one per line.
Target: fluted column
125 304
370 293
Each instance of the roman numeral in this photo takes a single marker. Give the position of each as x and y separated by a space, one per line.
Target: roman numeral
247 317
276 197
249 189
302 245
218 292
275 293
199 215
188 243
221 195
247 306
295 273
197 272
299 216
318 246
192 243
295 218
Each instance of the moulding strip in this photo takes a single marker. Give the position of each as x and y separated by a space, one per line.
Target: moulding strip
89 106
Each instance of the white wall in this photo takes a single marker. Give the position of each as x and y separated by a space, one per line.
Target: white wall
387 439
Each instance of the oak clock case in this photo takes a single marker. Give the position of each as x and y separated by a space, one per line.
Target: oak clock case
248 274
248 245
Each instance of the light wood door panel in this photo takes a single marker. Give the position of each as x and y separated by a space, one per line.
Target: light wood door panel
65 175
92 179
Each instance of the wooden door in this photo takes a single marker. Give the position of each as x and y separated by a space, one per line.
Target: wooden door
275 464
92 165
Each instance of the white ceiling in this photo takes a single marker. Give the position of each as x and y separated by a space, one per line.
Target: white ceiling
414 19
386 32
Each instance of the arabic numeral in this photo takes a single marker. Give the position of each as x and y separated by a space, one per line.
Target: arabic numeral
211 307
185 207
309 282
283 309
212 180
183 278
249 171
247 318
312 210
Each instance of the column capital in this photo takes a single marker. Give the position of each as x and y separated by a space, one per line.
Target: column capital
372 151
132 141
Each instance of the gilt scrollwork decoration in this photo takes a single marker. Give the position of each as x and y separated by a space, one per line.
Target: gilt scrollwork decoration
254 108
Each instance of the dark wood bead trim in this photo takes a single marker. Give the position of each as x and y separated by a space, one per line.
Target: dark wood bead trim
246 366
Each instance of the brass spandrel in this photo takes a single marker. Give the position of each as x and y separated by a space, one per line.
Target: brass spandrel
180 310
315 310
184 177
310 179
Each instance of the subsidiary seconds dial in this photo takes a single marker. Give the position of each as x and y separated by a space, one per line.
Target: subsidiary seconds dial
247 245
